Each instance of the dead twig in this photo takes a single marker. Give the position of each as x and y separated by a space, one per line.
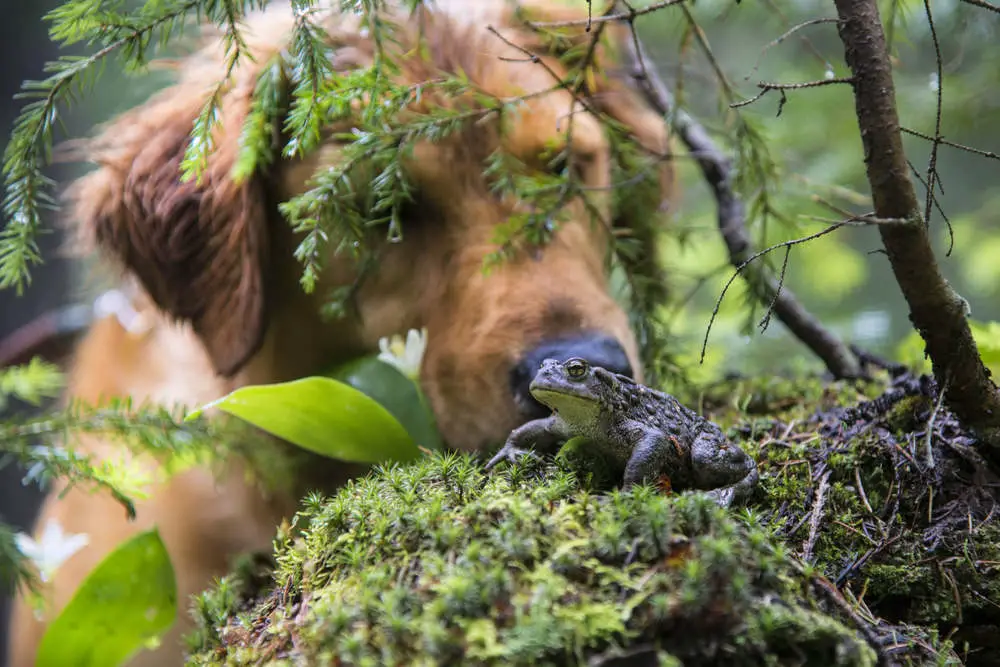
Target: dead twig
766 87
826 589
717 170
944 142
983 4
816 516
626 16
770 45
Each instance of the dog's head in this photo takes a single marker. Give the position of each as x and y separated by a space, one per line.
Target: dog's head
212 251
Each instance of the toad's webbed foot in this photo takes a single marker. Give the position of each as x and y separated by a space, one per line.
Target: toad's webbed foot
543 434
738 493
511 454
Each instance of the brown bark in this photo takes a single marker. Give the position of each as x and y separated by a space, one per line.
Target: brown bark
936 310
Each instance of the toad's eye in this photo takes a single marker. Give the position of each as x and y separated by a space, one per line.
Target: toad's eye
576 368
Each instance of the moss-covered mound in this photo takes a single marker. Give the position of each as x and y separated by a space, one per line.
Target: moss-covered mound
881 489
440 564
872 536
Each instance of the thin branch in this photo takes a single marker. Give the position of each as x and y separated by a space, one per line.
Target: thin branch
785 36
625 17
702 40
975 151
930 425
766 87
932 175
934 200
983 4
816 516
717 170
787 245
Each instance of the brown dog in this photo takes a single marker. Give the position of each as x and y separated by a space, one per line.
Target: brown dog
217 284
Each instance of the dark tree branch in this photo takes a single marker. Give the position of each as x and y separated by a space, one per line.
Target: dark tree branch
983 4
945 142
717 170
936 310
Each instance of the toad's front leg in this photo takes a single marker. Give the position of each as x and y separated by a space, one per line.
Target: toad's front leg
650 458
544 434
723 468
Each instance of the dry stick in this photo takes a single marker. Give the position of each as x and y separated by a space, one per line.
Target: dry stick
983 4
945 142
717 170
785 36
766 87
932 174
937 311
816 517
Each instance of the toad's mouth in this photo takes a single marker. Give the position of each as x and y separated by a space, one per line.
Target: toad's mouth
561 398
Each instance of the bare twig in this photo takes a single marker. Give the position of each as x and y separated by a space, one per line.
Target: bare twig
983 4
785 36
930 425
766 87
770 4
932 174
937 205
828 590
816 516
937 311
699 36
627 16
945 142
856 220
717 170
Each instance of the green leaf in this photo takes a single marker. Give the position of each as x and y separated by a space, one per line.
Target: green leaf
324 416
987 336
128 601
396 393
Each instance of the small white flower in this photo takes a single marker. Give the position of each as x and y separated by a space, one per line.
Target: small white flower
114 302
406 357
829 73
55 548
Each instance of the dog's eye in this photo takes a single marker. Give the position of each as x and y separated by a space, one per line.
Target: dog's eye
576 368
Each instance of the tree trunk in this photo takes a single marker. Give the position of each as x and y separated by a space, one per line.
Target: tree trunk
937 311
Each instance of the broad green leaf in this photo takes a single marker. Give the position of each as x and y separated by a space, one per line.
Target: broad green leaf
396 393
324 416
126 603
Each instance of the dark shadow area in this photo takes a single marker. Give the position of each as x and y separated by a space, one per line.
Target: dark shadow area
23 51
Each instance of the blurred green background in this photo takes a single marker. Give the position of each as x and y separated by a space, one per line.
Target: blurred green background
816 148
812 150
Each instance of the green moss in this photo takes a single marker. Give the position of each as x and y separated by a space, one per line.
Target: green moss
438 563
891 530
539 563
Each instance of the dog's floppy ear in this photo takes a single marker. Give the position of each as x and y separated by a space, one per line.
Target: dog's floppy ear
199 249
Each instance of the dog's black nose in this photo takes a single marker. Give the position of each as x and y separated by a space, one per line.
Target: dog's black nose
597 348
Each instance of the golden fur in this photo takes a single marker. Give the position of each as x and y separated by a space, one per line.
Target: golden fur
216 280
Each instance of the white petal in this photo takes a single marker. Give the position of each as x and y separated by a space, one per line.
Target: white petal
71 545
27 546
383 345
389 358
